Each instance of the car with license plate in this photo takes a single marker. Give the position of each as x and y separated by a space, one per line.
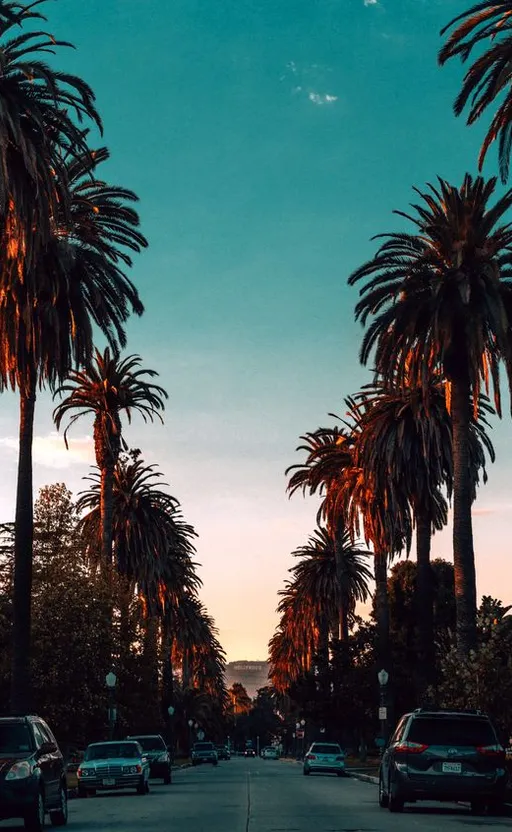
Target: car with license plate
204 752
113 765
32 773
324 758
270 753
446 756
157 753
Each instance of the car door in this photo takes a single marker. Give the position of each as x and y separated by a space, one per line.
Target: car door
45 763
53 763
387 757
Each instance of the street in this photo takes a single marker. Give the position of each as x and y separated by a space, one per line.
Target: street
261 796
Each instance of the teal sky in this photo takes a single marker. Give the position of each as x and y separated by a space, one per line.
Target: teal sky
267 143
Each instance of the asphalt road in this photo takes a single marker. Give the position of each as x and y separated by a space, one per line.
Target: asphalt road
261 796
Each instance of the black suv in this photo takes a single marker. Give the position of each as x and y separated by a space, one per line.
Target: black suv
444 755
156 751
32 773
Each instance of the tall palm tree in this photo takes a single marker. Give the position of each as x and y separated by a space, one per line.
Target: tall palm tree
40 114
405 437
315 576
490 23
109 387
47 322
441 301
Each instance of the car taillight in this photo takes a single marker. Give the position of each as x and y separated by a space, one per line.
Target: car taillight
310 756
139 769
411 747
491 750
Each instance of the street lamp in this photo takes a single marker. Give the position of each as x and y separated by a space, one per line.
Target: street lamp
111 681
303 735
170 711
190 726
383 677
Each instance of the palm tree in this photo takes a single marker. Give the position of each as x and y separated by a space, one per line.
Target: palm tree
40 114
440 299
47 326
315 576
487 22
108 388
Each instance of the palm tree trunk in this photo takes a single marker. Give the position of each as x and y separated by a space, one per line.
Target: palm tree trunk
424 605
382 611
23 552
342 606
106 512
463 552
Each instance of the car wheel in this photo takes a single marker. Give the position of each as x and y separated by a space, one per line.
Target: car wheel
34 819
383 798
306 772
59 817
395 799
141 788
478 807
496 807
168 777
82 792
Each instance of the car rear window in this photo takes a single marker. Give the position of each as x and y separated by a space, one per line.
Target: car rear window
151 743
451 731
203 746
326 749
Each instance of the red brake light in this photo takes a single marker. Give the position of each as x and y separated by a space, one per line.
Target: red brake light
411 747
310 756
491 750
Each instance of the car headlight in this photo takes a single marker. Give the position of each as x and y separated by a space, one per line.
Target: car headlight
131 769
86 772
162 758
19 771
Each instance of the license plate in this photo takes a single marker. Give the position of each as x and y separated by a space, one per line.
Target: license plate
452 768
109 781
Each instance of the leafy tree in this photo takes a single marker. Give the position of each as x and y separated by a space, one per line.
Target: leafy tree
440 301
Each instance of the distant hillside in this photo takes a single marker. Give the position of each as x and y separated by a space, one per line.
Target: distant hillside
252 675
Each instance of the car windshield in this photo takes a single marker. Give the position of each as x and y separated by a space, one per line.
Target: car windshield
112 750
325 749
14 738
441 730
151 743
203 746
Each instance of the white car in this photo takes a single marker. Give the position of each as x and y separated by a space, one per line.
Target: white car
325 757
270 753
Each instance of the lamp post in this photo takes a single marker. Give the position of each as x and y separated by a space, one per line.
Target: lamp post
383 677
111 681
190 726
170 711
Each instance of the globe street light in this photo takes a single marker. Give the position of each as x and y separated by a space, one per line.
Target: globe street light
383 677
111 681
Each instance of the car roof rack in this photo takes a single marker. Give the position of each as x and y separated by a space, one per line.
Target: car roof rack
434 710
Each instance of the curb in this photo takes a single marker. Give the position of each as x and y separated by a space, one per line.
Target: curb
365 778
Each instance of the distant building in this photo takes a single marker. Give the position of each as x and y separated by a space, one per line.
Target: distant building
252 675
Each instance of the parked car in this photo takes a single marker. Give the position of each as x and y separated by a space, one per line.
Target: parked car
270 753
32 773
443 755
113 765
204 752
157 753
223 752
325 757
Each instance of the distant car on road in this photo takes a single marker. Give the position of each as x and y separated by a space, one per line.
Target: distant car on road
223 752
325 757
157 753
113 765
249 752
204 752
444 755
270 753
32 773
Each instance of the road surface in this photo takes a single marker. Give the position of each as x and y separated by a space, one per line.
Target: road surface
261 796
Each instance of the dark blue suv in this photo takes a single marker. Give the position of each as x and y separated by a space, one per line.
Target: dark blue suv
444 755
32 773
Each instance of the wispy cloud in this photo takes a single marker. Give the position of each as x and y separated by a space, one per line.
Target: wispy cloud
371 3
321 99
308 80
50 451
